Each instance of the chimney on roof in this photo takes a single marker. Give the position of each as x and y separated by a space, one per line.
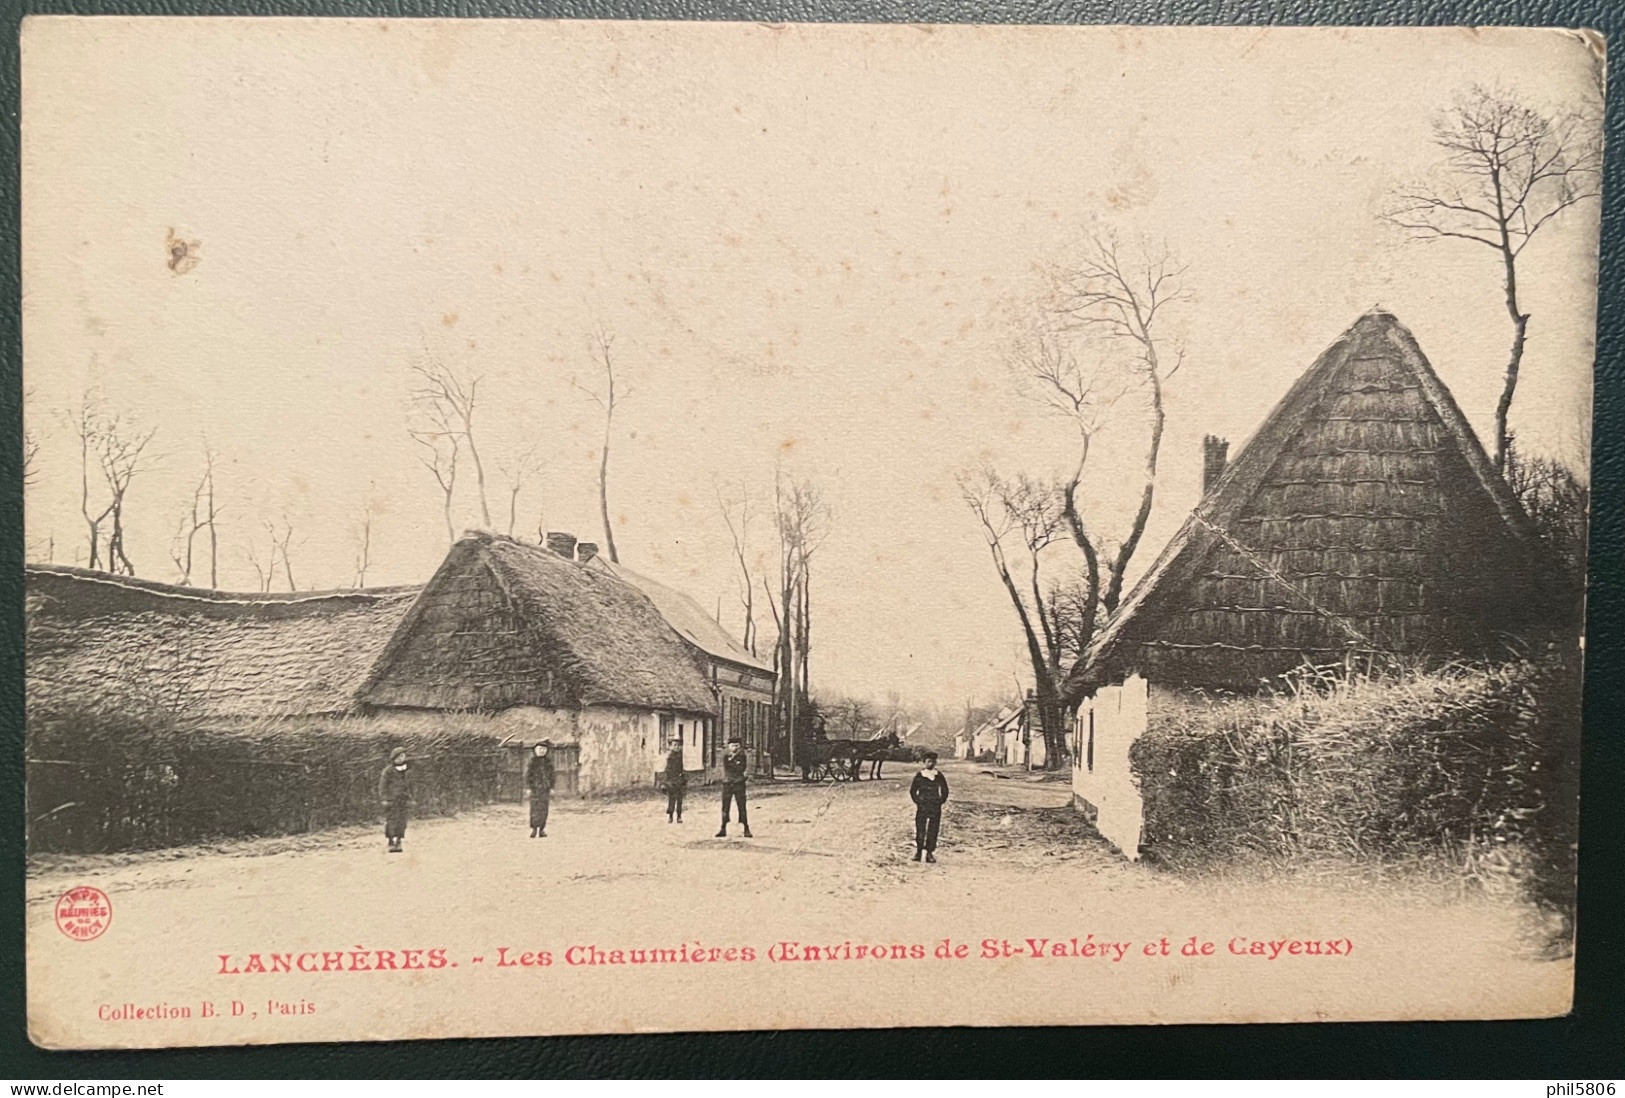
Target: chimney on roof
562 543
1214 452
586 550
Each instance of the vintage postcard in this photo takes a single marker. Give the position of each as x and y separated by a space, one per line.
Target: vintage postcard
604 527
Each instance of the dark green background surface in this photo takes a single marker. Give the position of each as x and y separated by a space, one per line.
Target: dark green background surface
1590 1044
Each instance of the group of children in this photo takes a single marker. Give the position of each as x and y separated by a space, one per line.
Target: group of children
929 792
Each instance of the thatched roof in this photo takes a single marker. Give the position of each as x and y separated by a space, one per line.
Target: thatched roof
684 615
114 643
506 623
1363 516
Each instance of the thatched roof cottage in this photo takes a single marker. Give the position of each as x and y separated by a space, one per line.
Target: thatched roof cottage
534 642
564 650
1363 517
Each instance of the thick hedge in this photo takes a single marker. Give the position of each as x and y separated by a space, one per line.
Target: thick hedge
110 782
1473 763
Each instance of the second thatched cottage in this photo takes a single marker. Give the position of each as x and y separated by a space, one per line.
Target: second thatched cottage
564 651
1362 519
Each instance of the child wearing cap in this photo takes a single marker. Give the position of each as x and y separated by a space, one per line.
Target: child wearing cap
395 791
539 778
676 780
929 793
734 770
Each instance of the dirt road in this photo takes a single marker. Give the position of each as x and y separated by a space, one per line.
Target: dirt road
830 865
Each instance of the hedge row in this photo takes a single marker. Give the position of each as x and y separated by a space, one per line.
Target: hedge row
1474 763
101 783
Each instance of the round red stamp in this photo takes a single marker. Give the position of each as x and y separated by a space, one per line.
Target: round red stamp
83 913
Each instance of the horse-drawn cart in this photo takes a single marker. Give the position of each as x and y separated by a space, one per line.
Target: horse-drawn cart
842 760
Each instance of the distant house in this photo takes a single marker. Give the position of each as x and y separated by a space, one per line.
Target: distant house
521 639
983 739
1009 737
1363 520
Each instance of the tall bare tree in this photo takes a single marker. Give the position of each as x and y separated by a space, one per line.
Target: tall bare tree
1023 517
202 516
601 350
1122 293
440 446
734 502
1508 171
447 402
1049 369
802 518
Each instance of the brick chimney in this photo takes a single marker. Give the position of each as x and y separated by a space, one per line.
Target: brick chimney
562 543
586 550
1214 452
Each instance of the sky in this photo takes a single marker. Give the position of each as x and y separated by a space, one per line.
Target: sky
806 241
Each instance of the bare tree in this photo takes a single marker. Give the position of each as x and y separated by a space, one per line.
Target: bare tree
802 524
447 402
1049 370
85 422
202 515
361 538
524 467
281 544
117 452
850 718
263 560
1022 515
439 451
734 503
1558 503
1122 294
1508 171
600 350
802 518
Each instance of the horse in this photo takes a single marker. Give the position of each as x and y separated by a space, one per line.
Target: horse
875 752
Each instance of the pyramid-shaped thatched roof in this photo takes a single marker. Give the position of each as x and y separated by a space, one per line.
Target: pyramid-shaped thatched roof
1363 516
505 623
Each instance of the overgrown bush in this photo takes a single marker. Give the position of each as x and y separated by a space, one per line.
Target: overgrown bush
106 782
1473 763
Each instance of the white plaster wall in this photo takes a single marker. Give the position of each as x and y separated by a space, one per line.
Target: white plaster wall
1119 714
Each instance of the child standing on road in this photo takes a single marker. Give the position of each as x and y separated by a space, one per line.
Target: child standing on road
734 769
676 781
395 791
539 780
929 793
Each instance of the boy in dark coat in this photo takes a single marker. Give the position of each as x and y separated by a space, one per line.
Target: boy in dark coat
395 791
734 769
676 781
539 778
929 793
